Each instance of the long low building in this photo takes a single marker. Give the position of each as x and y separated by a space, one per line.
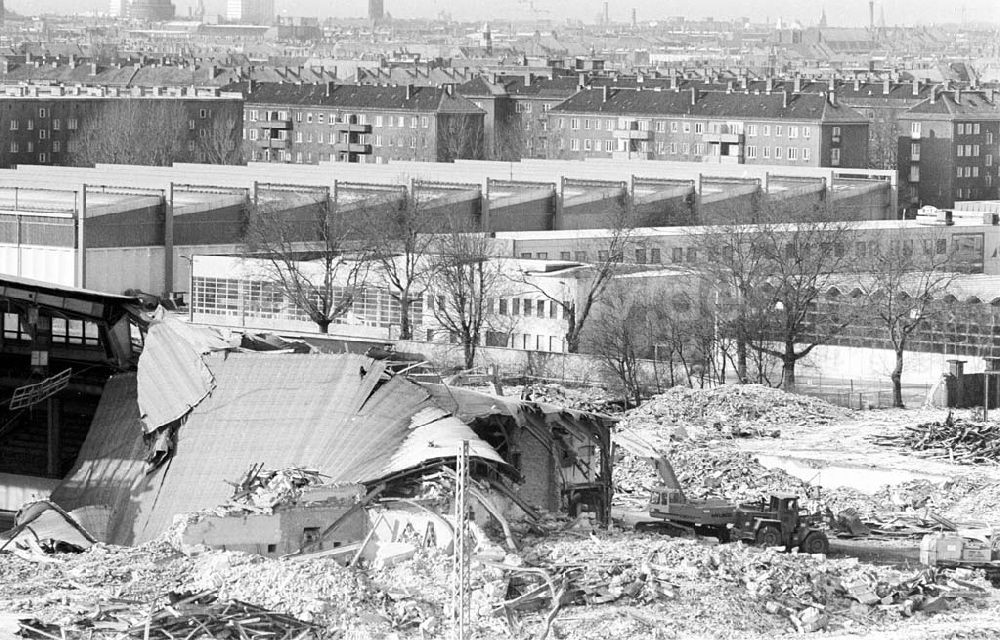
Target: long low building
113 228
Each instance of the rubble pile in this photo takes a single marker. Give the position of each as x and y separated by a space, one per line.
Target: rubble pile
683 581
957 440
201 615
732 410
591 399
261 490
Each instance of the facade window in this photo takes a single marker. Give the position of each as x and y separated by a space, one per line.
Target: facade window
677 254
687 127
654 256
673 147
805 153
586 123
699 149
766 130
424 122
378 121
699 127
685 148
43 134
752 130
640 256
56 146
43 112
960 150
574 124
806 132
835 133
254 133
661 126
203 113
14 125
777 153
976 129
43 157
961 128
14 148
673 126
609 145
767 151
778 130
31 125
602 255
752 151
958 172
574 144
191 125
835 157
793 153
378 140
56 124
975 150
915 129
539 308
793 132
989 159
587 144
692 254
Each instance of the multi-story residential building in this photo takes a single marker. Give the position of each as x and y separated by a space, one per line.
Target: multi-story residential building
250 11
360 123
714 126
42 124
948 150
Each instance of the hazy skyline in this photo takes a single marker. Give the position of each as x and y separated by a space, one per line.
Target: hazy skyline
849 13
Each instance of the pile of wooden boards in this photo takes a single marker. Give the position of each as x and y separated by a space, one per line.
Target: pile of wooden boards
200 615
958 440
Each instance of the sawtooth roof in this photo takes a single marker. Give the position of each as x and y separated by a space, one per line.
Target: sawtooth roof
345 96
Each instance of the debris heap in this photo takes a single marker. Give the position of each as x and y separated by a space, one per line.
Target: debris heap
954 439
732 410
261 490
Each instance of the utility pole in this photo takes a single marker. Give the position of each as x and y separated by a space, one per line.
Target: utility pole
462 556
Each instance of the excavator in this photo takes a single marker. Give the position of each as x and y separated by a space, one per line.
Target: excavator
776 522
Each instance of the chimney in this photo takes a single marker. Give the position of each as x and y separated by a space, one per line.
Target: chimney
409 92
857 84
673 80
729 86
886 86
769 85
604 90
744 83
916 87
797 85
581 81
832 97
933 95
330 86
449 88
694 96
250 85
989 95
93 68
72 61
833 84
784 99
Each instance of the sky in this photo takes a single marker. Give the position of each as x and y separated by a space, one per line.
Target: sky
839 12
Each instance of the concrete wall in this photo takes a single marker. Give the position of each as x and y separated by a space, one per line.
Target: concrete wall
49 264
523 214
860 363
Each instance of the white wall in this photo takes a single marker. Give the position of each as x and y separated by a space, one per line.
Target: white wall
48 264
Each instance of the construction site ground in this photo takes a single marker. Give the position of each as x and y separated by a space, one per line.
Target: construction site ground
571 579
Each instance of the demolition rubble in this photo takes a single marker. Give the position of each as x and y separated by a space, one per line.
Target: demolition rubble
262 538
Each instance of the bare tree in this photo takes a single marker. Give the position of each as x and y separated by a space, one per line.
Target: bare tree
461 136
883 140
399 239
309 253
221 143
466 275
622 333
899 286
133 131
777 269
621 238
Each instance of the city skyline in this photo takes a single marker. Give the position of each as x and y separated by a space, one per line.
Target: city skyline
806 13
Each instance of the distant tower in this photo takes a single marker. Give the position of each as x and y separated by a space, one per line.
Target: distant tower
376 10
606 15
871 14
822 19
635 22
486 39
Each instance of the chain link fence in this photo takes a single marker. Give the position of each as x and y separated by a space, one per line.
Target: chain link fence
861 394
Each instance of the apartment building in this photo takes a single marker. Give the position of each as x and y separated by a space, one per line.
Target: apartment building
309 124
948 149
722 127
41 124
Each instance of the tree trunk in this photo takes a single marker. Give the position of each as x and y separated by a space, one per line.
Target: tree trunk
469 351
405 330
572 332
788 367
897 381
324 325
741 361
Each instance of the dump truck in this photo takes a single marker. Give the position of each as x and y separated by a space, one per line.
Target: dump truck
776 522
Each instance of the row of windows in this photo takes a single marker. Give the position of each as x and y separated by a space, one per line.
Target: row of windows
381 120
75 332
686 126
968 128
71 124
15 147
967 150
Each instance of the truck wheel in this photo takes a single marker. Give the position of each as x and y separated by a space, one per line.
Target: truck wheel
815 542
768 536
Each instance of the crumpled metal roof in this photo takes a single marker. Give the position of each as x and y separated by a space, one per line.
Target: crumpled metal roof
172 376
336 413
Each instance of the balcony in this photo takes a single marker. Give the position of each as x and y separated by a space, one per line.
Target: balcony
347 127
722 138
632 155
352 147
723 159
276 143
633 134
276 124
